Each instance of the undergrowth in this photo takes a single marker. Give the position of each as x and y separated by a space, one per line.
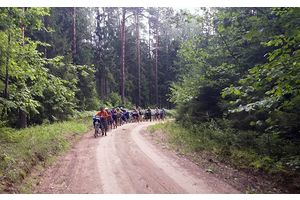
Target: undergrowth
241 149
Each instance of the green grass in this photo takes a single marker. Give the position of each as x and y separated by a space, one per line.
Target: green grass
170 113
178 136
189 140
21 150
253 151
226 144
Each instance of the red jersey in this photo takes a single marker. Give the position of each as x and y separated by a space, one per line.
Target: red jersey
103 114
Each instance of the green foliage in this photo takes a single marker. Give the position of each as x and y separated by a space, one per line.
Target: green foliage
24 64
86 94
245 71
45 86
272 87
215 61
114 99
84 115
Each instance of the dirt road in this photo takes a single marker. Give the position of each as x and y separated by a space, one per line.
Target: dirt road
126 162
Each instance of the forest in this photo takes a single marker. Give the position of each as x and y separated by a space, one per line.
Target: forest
231 74
57 61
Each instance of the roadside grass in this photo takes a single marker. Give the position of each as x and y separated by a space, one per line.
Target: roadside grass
22 150
236 148
223 144
170 113
179 138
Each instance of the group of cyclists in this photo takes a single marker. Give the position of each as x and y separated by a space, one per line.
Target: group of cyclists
106 119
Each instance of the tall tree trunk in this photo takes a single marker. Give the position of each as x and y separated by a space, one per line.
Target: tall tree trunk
74 50
138 50
22 113
149 41
102 85
156 61
22 118
105 86
168 71
156 66
45 21
122 74
5 93
151 86
99 73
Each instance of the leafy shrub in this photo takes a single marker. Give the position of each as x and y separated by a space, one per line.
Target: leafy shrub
114 99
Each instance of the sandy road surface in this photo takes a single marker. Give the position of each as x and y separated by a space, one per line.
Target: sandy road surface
126 162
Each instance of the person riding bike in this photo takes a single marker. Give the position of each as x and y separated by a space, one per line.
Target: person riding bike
114 117
156 113
104 117
95 118
148 114
109 118
135 115
140 113
119 116
97 125
125 115
162 113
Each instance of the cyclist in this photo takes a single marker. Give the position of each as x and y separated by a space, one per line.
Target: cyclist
156 113
162 113
135 115
140 114
119 116
103 116
148 114
114 117
109 118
